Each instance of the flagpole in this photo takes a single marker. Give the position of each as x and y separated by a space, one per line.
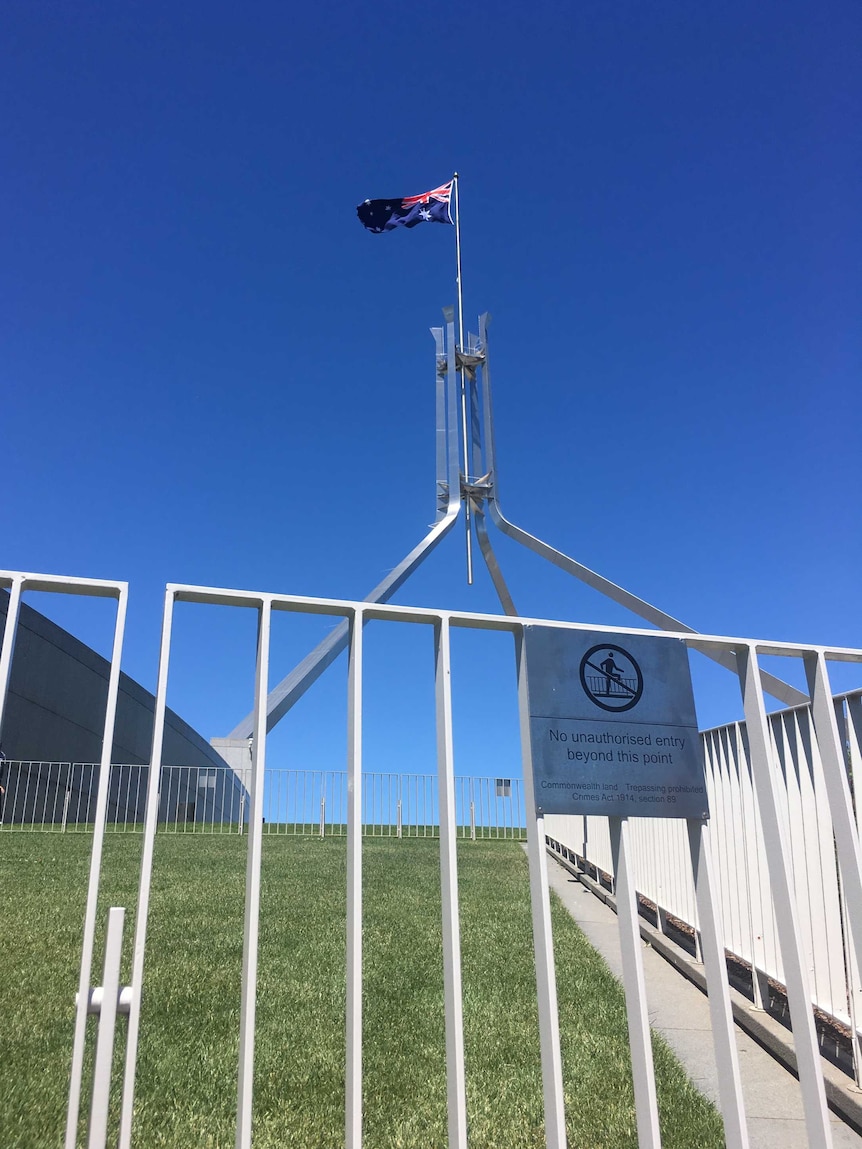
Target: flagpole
463 380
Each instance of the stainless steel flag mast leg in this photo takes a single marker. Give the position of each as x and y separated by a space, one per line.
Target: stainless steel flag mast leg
461 375
491 563
474 491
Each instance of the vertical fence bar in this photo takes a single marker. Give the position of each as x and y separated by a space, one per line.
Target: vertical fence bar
56 789
170 802
852 730
543 942
407 807
40 795
353 1074
245 1089
218 793
455 1079
26 800
10 630
51 793
93 884
774 838
97 1132
128 788
80 791
36 788
643 1071
851 969
86 809
837 790
141 915
343 800
724 1038
758 897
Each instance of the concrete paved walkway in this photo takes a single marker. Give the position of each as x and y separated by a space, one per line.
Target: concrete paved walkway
680 1012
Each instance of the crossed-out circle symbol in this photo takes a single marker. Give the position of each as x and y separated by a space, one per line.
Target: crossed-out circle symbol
608 684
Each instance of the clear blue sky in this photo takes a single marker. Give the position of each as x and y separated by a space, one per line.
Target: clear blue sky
212 374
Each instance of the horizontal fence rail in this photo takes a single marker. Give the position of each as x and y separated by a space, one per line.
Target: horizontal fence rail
61 797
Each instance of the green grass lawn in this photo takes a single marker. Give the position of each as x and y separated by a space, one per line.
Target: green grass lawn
186 1094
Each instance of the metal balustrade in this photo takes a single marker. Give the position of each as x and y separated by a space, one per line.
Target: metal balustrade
746 900
61 797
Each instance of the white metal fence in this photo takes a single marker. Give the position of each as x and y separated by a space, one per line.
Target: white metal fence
768 753
749 925
393 805
61 796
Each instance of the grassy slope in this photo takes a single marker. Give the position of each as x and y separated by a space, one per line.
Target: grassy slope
187 1065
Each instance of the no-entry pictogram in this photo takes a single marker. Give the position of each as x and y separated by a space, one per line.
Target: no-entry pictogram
611 678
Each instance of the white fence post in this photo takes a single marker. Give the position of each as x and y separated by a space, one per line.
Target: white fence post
95 873
723 1035
646 1105
543 942
144 886
838 790
10 630
455 1078
97 1131
774 835
248 1007
353 1067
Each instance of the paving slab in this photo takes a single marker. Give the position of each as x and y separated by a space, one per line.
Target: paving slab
679 1011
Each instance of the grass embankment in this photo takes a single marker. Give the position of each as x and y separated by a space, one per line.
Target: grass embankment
188 1054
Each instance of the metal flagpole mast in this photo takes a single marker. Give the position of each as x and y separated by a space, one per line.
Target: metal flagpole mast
460 367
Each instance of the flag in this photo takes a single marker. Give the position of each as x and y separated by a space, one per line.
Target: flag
386 214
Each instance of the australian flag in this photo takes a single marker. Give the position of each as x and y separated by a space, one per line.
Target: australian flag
387 214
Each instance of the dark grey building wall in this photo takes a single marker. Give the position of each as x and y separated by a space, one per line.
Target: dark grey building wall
55 710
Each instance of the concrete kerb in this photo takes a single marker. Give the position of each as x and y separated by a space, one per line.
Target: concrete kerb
843 1096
